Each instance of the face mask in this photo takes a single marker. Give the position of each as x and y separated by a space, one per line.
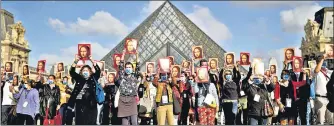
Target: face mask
148 78
229 77
257 81
25 86
190 81
128 71
139 79
64 82
50 81
286 77
243 77
170 79
85 74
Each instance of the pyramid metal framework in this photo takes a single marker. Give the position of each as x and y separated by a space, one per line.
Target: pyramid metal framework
167 32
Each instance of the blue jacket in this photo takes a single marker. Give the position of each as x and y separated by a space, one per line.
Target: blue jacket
312 90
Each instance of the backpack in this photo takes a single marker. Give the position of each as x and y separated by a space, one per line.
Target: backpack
99 92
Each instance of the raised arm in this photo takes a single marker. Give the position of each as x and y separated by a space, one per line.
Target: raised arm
245 84
318 67
73 74
18 95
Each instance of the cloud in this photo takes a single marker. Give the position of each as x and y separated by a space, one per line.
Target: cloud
151 7
293 20
67 55
207 22
271 4
101 23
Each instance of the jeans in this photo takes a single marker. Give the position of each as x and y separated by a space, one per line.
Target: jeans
5 113
308 113
230 112
99 110
255 120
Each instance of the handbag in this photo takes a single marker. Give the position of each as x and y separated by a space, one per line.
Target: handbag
46 120
145 105
99 92
209 99
58 118
268 106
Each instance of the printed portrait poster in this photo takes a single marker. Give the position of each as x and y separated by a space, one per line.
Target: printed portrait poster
312 64
297 64
9 67
60 67
202 75
84 51
186 65
176 71
171 60
111 76
131 45
272 69
25 70
213 63
267 73
150 68
41 66
259 68
59 75
308 71
100 64
289 53
244 58
329 50
117 60
164 65
197 52
229 59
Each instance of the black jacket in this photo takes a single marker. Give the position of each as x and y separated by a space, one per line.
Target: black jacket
231 90
110 91
256 108
90 95
46 94
330 93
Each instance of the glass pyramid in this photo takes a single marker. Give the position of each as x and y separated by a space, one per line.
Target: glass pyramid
167 32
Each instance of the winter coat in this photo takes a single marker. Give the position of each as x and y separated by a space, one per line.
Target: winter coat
256 108
90 95
49 97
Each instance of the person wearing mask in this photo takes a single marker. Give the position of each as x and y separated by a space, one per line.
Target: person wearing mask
8 102
206 113
84 93
241 118
322 77
164 98
49 95
109 109
27 105
187 94
286 99
64 96
151 91
256 89
230 92
127 81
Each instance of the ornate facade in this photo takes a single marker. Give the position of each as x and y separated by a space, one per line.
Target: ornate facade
15 48
317 33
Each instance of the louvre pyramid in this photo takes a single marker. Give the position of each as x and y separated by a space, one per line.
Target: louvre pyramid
167 32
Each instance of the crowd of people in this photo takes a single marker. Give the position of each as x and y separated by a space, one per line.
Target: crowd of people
132 97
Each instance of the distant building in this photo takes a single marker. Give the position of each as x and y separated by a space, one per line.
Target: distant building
14 46
318 33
